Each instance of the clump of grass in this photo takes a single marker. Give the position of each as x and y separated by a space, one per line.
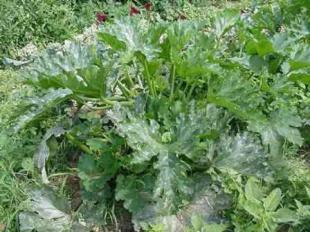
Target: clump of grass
15 150
42 22
12 192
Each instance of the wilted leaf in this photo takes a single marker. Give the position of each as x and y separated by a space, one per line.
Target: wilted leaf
2 227
47 213
42 154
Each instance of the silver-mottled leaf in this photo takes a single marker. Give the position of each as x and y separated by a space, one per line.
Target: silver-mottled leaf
242 153
47 213
142 136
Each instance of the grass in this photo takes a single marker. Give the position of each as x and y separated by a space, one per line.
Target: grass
12 193
42 22
16 150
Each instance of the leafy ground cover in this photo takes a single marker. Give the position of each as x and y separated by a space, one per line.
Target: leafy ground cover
39 22
195 118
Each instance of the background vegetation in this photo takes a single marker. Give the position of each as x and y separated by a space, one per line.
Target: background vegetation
42 21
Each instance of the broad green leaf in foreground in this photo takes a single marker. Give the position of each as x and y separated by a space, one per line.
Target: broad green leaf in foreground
96 172
136 194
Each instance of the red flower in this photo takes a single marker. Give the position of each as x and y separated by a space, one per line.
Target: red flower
101 17
148 6
134 11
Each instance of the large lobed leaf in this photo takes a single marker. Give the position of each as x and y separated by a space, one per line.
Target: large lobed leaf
194 135
47 212
243 153
38 106
77 67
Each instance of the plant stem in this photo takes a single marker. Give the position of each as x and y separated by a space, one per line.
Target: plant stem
148 79
76 142
124 89
131 82
62 174
107 101
172 79
191 91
